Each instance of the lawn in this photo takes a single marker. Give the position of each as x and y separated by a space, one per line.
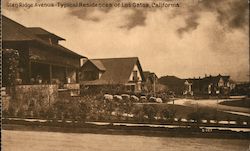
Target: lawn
238 103
182 111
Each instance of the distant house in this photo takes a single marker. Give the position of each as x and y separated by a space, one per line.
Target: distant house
150 77
242 88
209 85
150 80
125 73
42 59
188 87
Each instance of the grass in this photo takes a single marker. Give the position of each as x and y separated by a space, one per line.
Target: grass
237 103
208 113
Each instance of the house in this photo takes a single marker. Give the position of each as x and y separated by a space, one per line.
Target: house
151 80
209 85
123 73
150 77
188 87
241 89
37 70
41 58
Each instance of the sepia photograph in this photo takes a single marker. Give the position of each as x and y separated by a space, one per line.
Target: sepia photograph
125 75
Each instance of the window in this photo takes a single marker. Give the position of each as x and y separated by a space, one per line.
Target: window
135 76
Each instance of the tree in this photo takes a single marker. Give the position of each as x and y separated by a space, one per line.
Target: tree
10 66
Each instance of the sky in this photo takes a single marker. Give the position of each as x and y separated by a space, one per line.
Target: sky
199 37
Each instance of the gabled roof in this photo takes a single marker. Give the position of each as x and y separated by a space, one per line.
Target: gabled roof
41 31
148 74
99 65
209 79
116 70
15 32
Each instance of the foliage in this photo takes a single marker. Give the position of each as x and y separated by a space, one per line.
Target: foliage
10 66
83 111
166 113
74 110
95 108
150 111
241 89
197 116
138 114
239 121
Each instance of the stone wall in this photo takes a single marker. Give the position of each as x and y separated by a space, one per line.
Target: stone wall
35 98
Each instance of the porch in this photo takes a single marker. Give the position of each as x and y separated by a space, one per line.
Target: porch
46 73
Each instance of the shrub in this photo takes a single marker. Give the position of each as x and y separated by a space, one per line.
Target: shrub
239 121
150 111
228 119
196 116
21 113
83 110
165 113
168 114
138 114
11 111
215 117
42 113
208 119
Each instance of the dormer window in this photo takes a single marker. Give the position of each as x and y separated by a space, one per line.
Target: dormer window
135 76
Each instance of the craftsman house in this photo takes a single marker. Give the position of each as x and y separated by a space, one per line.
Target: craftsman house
42 60
209 85
37 70
123 73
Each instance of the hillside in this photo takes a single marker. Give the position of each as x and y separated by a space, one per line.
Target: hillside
173 83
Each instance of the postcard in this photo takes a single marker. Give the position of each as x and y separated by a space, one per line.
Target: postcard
129 75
